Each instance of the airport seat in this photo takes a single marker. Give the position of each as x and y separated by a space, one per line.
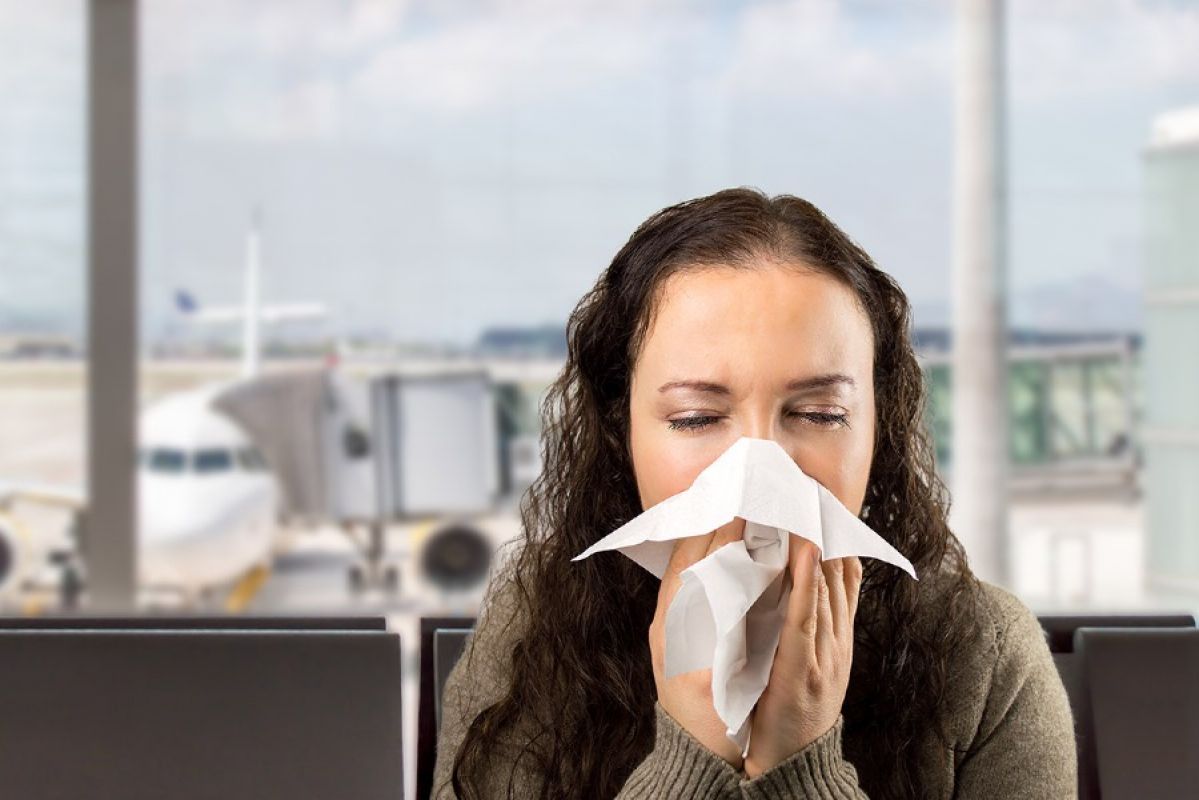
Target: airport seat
271 713
1143 710
1067 635
1060 634
195 622
442 640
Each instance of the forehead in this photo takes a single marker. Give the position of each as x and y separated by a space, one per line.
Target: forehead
766 319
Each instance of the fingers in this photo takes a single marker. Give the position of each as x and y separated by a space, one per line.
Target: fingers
729 532
691 549
826 629
838 600
853 584
800 621
686 552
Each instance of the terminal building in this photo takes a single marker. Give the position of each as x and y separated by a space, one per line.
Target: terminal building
1171 428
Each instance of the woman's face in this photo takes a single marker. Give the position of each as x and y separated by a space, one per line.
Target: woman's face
728 355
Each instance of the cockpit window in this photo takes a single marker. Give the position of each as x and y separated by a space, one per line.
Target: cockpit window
165 459
251 459
213 460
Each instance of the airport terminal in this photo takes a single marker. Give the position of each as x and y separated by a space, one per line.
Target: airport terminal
287 350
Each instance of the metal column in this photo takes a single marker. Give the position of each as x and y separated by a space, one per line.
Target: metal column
110 524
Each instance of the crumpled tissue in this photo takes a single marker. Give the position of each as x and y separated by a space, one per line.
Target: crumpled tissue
729 608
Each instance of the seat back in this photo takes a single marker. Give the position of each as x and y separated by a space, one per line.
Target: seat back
196 622
1143 710
234 714
1059 634
442 640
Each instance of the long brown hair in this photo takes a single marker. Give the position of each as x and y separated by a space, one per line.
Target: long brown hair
580 670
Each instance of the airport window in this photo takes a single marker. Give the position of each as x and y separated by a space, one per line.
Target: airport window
213 460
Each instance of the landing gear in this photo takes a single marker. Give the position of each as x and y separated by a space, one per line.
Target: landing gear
373 572
71 583
364 576
391 579
357 578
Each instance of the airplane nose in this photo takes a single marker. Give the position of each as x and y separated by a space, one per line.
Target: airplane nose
8 556
167 515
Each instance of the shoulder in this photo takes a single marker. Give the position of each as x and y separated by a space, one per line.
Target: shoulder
1009 628
1007 693
480 678
499 623
1002 624
1018 650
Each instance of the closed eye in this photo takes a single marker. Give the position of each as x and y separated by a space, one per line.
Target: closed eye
821 419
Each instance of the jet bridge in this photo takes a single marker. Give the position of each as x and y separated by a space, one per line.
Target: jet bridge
366 451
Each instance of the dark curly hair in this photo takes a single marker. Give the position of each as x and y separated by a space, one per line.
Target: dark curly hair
580 669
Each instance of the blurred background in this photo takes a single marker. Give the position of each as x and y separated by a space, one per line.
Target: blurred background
355 229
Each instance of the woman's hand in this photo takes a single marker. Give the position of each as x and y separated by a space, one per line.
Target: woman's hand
688 696
811 666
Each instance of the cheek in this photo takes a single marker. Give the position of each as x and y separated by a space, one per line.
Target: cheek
842 465
664 466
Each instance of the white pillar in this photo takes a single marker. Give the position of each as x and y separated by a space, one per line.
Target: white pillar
251 346
978 473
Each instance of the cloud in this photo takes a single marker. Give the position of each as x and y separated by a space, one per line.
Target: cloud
1055 48
509 57
289 71
185 36
1060 48
495 62
819 48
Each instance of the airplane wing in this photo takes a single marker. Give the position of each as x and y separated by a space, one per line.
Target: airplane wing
192 310
187 304
217 314
60 496
275 313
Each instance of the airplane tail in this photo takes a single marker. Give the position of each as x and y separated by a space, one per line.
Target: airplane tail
251 313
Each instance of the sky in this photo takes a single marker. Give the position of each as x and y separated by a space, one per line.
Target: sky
430 169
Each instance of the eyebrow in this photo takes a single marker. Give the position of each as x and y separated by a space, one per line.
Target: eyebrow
797 385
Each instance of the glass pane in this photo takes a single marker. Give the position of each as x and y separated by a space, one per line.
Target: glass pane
43 363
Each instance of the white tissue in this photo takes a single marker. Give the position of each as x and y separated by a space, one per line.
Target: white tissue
729 608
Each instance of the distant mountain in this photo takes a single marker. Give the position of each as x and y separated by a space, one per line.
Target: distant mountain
1089 304
19 320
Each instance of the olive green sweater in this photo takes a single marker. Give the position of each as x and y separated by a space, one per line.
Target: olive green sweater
1011 723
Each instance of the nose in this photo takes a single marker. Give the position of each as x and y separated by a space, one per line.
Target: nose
766 422
762 423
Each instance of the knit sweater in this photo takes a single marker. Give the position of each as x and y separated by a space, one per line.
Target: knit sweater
1009 718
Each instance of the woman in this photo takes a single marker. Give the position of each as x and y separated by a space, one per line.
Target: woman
737 315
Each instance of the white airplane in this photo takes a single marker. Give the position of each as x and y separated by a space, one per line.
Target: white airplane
208 502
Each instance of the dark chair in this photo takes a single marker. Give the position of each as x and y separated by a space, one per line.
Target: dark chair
195 622
442 640
1143 710
179 712
1060 632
